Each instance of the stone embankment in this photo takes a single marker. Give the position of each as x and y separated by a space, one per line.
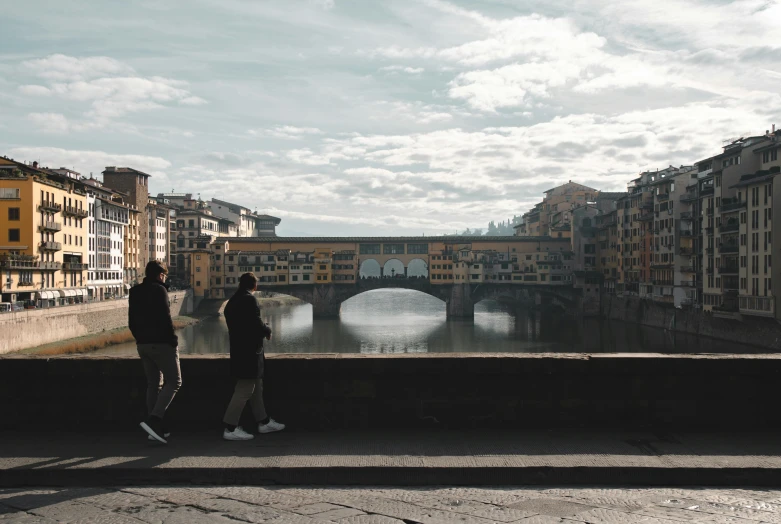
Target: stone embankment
36 327
755 331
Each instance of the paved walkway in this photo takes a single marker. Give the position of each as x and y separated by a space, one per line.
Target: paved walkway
393 458
306 505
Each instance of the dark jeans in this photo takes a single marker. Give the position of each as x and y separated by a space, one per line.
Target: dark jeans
163 376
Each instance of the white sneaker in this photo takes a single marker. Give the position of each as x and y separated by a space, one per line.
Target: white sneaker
237 434
271 427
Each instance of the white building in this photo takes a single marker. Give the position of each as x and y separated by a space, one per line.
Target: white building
249 223
108 218
159 230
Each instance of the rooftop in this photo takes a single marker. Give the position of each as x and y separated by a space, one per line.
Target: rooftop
114 169
445 239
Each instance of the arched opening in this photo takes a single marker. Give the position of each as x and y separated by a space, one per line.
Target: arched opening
393 268
370 269
417 268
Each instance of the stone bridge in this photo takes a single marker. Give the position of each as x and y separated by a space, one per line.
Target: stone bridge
326 299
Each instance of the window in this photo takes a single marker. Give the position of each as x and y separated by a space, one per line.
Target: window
369 249
13 213
198 269
9 193
393 249
417 249
306 277
14 235
197 257
198 283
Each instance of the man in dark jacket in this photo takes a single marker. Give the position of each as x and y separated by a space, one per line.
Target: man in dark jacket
246 331
158 346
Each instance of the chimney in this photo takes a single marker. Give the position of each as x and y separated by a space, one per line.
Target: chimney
35 164
774 128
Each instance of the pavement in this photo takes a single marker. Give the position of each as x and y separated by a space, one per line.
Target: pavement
398 458
374 505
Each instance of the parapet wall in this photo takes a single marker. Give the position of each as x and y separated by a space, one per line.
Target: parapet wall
352 391
756 331
35 327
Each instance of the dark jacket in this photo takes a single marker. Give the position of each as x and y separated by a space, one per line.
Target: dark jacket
149 314
246 331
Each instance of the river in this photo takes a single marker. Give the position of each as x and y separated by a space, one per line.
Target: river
403 321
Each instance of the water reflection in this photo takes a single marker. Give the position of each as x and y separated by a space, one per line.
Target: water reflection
403 321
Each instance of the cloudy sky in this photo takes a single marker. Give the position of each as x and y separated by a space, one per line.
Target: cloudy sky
397 117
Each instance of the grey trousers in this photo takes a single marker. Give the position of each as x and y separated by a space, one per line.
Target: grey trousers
246 389
163 376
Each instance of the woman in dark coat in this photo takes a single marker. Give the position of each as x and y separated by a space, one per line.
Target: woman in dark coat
246 331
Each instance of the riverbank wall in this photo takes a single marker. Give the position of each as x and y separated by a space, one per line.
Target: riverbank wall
756 331
340 391
36 327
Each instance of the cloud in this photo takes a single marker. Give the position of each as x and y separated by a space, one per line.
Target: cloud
68 68
108 97
323 4
402 69
87 162
50 122
286 132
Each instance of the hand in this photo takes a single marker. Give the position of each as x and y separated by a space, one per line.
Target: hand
268 337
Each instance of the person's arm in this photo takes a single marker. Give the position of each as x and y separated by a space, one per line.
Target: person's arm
132 314
165 313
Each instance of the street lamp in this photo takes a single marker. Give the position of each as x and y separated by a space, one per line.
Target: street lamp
393 272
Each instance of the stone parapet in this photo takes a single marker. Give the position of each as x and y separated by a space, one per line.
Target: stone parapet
412 391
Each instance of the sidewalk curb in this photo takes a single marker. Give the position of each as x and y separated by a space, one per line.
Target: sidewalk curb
398 476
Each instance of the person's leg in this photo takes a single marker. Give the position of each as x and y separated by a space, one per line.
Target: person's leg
154 378
256 402
241 394
167 360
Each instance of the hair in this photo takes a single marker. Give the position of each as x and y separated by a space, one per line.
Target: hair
247 281
154 268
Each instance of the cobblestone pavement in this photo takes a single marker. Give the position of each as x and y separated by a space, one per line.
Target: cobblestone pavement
301 505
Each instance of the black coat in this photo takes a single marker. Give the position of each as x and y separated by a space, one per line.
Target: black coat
149 314
246 331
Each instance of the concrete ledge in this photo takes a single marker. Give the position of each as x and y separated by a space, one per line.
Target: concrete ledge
401 458
413 391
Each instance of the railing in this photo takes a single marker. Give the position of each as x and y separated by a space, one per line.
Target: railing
689 197
728 270
731 205
687 215
662 282
707 190
50 226
710 210
709 270
687 301
686 232
729 228
688 269
645 216
685 251
47 205
729 248
74 266
50 246
663 197
709 230
688 283
74 211
25 283
50 266
647 205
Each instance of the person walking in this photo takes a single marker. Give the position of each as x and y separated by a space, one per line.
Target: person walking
158 346
246 332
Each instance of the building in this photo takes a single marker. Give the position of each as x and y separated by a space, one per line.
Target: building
43 237
249 223
552 216
159 234
135 184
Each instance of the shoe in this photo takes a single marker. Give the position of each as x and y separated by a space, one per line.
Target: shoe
271 427
237 434
166 435
154 427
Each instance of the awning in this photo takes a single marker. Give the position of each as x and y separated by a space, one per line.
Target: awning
81 292
126 286
44 295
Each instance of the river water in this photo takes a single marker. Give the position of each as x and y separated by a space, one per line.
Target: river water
403 321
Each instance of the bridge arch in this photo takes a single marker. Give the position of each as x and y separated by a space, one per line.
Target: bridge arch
417 267
394 267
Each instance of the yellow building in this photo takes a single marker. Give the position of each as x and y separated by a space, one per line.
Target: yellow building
133 273
200 275
323 261
43 241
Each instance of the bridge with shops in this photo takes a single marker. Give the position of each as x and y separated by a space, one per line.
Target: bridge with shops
460 271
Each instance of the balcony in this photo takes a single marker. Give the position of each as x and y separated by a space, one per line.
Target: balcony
729 248
663 282
688 269
688 283
50 246
758 306
645 216
709 270
709 211
26 283
689 197
709 230
731 204
687 301
76 212
74 266
707 190
687 215
731 227
686 232
685 251
729 269
647 205
50 226
47 205
50 266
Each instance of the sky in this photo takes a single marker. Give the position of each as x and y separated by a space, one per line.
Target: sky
347 117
